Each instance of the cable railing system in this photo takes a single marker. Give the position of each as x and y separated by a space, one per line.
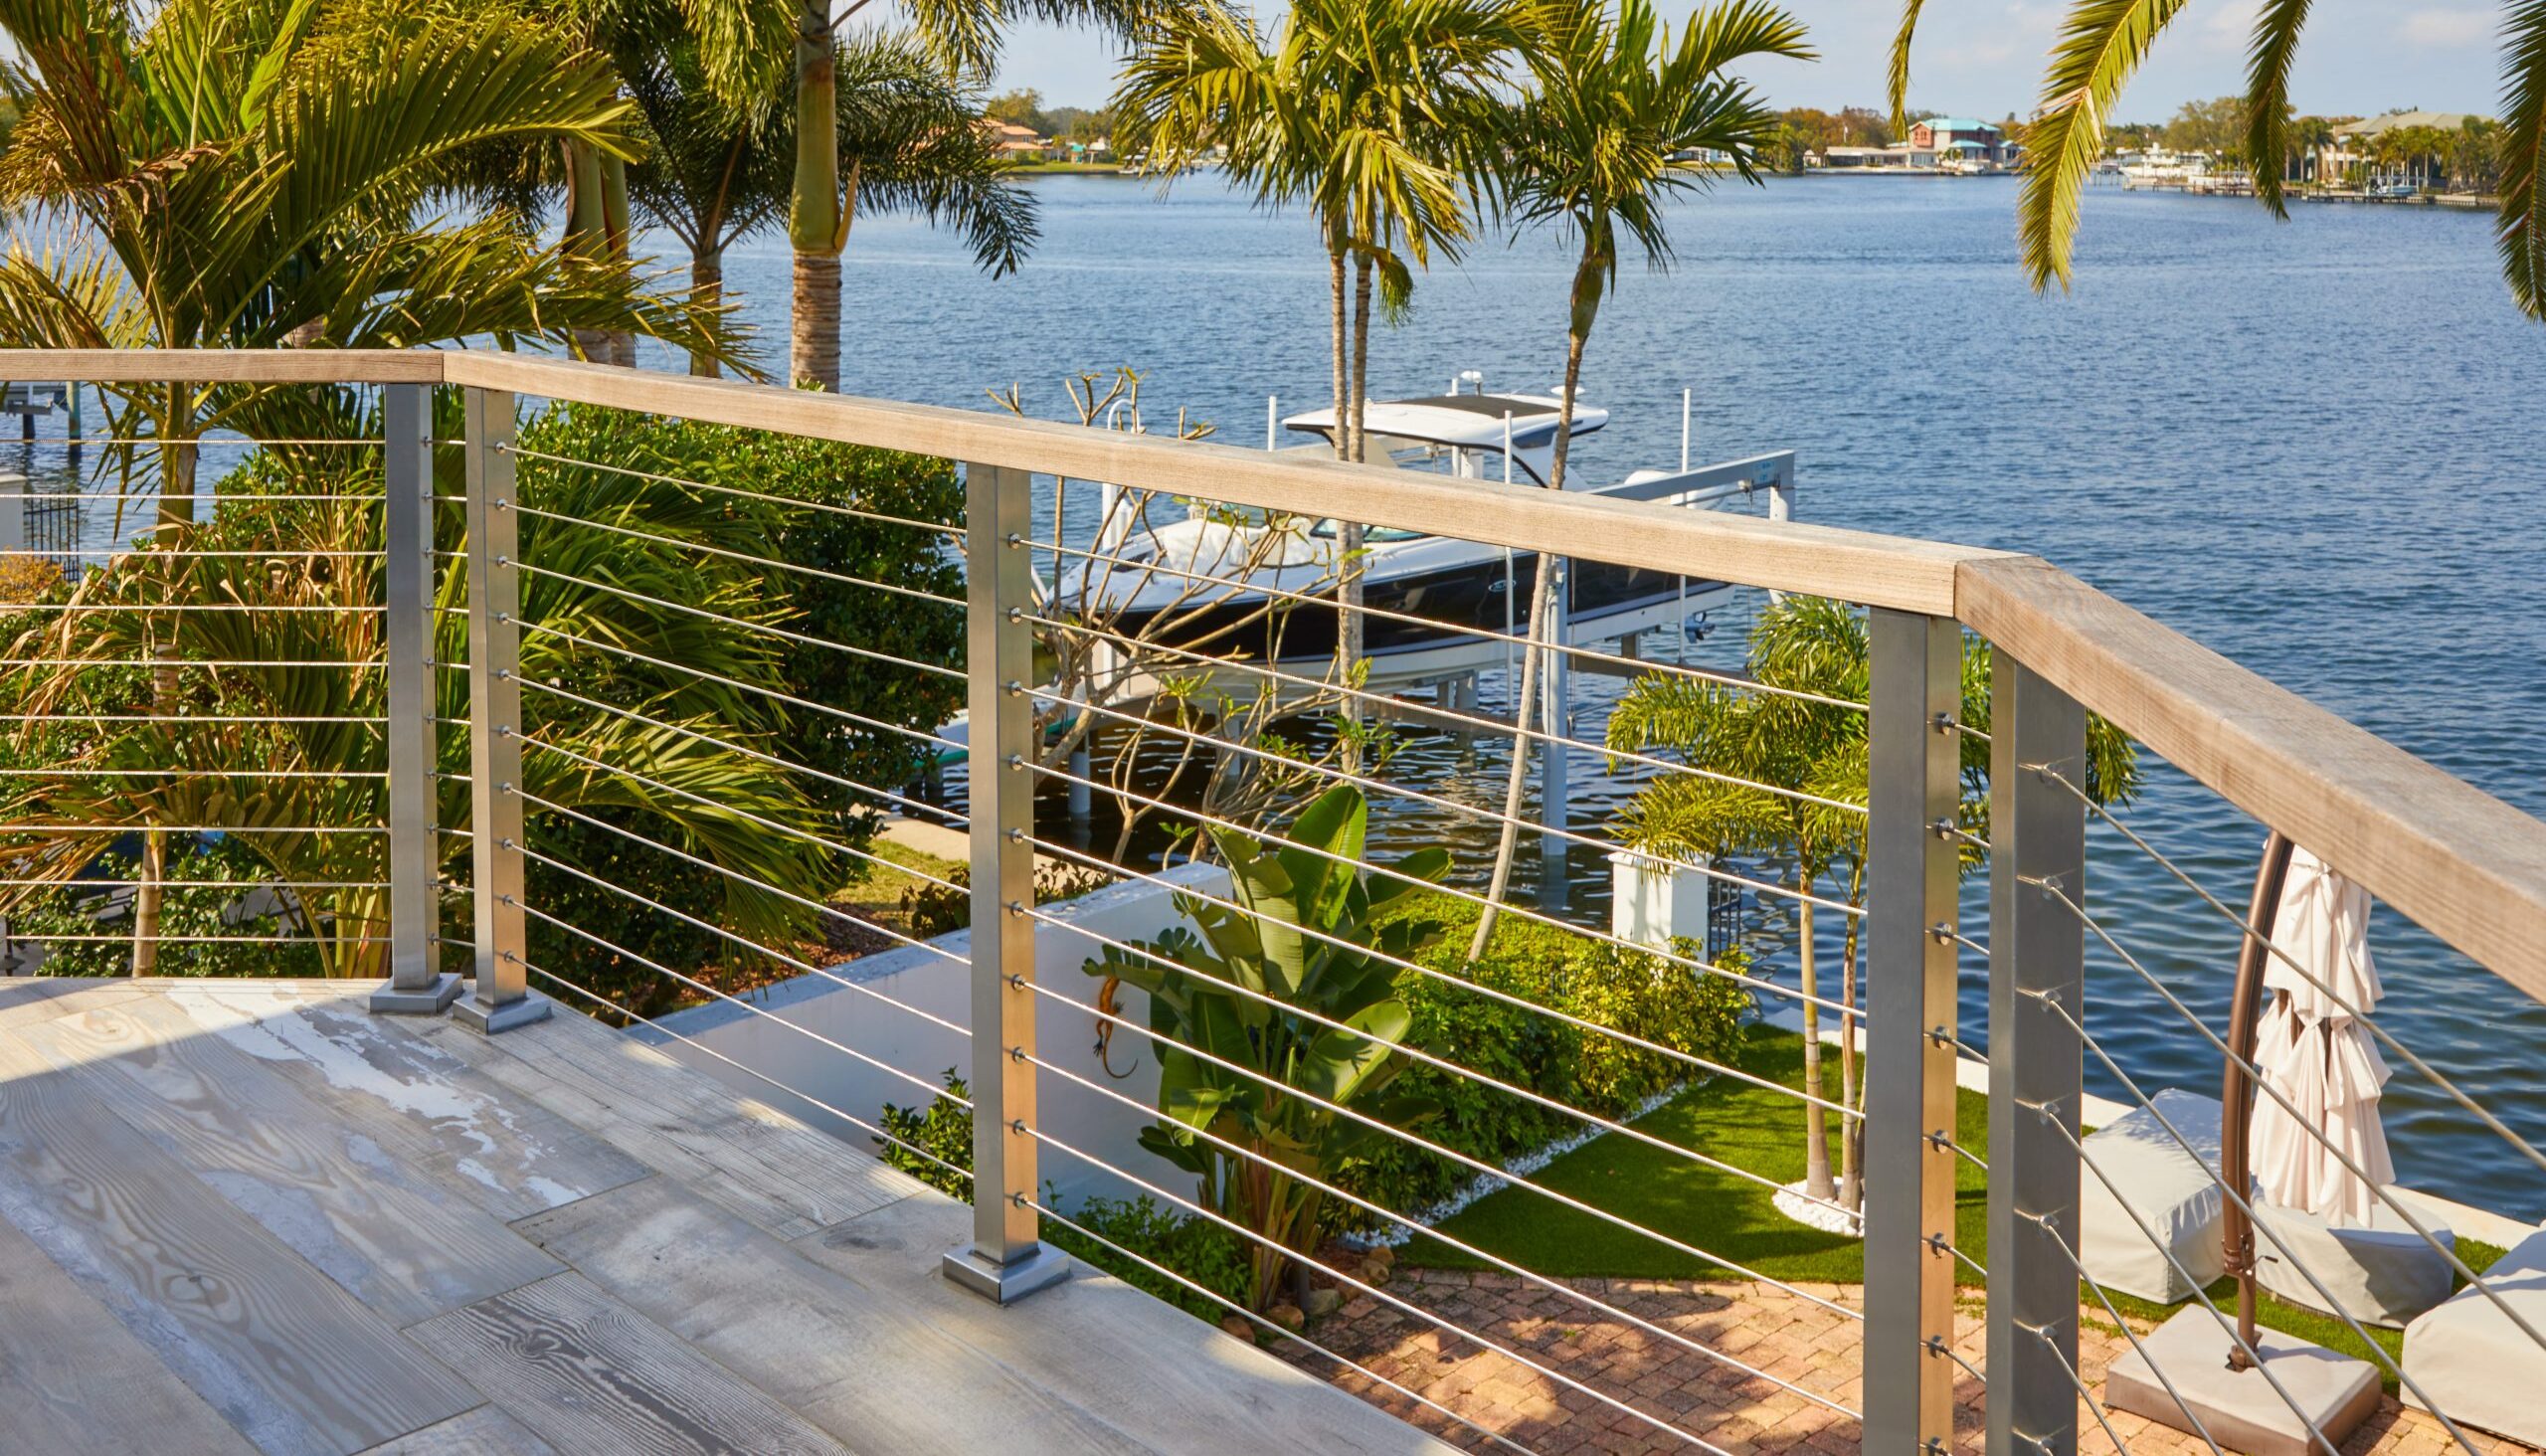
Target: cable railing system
1263 983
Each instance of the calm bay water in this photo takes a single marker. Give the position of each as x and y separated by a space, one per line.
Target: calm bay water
2313 447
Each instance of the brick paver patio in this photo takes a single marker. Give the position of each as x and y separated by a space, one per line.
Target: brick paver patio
1769 1329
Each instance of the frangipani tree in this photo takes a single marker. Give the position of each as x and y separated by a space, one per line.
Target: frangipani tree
2104 40
1591 149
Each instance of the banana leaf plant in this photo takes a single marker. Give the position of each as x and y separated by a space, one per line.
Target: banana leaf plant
1251 1019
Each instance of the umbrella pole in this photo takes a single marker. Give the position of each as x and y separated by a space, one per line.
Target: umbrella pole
2237 1089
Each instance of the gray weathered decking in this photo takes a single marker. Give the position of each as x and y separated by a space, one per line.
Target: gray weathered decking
247 1215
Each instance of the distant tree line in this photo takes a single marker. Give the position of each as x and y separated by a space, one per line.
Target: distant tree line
1024 107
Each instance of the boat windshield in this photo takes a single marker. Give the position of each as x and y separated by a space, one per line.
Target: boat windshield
1373 535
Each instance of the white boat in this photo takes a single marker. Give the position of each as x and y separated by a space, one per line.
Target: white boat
1262 590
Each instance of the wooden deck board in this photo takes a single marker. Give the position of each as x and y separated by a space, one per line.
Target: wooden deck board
1162 1376
865 1366
390 1237
782 1176
221 1201
71 1378
588 1374
509 1155
486 1431
294 1362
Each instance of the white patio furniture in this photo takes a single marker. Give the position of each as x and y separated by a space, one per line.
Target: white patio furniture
2475 1362
2174 1195
2381 1274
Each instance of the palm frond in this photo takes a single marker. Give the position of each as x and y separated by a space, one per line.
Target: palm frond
2101 43
1899 80
2276 44
2522 224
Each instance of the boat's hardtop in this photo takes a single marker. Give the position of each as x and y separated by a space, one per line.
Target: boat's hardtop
1464 420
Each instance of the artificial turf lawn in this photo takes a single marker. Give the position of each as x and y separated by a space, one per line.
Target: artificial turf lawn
1762 1132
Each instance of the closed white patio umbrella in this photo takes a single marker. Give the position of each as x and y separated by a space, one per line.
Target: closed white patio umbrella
2316 1055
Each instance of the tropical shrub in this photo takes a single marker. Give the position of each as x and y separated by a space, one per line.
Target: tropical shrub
941 1132
1643 996
1236 993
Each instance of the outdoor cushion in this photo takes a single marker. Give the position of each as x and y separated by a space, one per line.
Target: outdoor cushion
2175 1195
2474 1362
2384 1274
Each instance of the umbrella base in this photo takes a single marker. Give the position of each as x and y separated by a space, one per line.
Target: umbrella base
2240 1409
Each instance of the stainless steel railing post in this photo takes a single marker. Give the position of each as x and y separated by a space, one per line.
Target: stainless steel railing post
1005 1260
500 998
1916 669
414 986
2036 971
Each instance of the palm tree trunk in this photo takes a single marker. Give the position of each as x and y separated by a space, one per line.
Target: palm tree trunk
1541 606
708 286
816 222
621 343
1338 336
1850 1130
1349 533
586 233
1816 1120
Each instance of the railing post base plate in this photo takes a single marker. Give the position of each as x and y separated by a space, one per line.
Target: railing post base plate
424 1000
479 1017
1007 1283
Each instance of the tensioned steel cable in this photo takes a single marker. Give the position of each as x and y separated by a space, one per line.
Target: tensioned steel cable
225 442
808 770
1705 968
1485 725
1555 1286
1675 670
1518 1002
746 942
372 609
696 985
144 554
2246 1207
337 663
1382 1295
843 714
893 588
736 875
828 507
793 1091
1462 1159
2247 932
1270 1327
806 638
767 823
190 884
189 719
2096 1408
184 773
2263 1086
173 938
200 829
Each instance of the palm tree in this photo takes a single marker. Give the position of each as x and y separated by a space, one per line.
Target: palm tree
719 173
255 173
1769 748
249 175
965 37
2104 40
1589 149
1368 111
316 765
1805 645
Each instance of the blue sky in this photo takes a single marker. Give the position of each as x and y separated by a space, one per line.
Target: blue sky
1985 56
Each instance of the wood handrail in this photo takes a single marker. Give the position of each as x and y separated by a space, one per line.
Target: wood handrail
2467 867
2462 864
